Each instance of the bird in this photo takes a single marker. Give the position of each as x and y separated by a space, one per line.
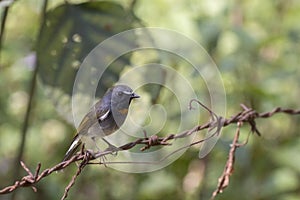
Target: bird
105 117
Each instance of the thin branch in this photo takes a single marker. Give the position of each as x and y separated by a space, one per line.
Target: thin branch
29 108
2 27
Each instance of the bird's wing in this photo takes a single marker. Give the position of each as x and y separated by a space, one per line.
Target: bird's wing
72 149
104 116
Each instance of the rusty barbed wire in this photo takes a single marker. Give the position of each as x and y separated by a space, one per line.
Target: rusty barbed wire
247 115
223 181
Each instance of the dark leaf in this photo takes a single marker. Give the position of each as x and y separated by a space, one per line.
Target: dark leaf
70 32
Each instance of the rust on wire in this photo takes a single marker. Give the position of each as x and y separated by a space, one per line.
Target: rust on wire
247 115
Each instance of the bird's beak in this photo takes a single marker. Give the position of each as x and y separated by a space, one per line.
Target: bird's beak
134 96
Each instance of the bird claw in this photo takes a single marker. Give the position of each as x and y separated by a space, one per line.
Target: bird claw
114 150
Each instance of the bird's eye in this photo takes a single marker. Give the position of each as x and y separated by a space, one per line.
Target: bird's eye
120 93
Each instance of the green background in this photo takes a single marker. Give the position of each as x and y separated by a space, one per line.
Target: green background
256 46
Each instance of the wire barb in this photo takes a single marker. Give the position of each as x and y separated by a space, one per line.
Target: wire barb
247 115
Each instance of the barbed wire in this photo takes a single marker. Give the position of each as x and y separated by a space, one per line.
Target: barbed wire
247 115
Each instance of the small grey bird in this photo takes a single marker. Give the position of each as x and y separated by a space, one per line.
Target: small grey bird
105 117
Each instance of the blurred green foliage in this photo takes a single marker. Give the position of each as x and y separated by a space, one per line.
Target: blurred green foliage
256 46
75 30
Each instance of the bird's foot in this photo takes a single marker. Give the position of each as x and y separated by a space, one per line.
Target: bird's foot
114 150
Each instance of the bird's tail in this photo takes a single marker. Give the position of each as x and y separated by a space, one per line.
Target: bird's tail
74 145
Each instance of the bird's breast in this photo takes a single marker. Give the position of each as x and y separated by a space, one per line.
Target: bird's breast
123 111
